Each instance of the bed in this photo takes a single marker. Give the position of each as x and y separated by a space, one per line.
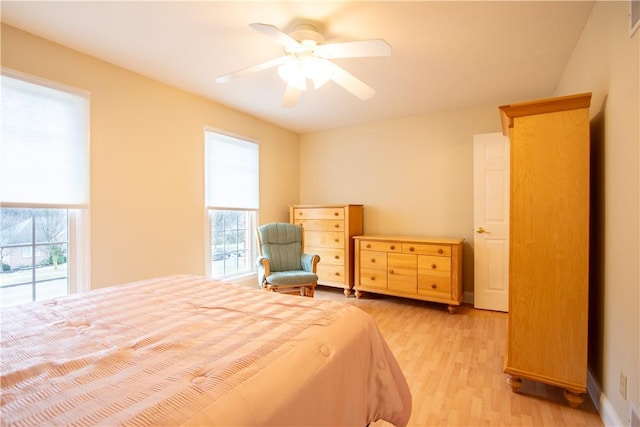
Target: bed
188 350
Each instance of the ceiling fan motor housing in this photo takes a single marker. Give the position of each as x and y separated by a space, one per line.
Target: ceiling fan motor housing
306 32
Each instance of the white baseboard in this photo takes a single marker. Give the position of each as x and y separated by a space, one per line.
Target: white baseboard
603 406
593 388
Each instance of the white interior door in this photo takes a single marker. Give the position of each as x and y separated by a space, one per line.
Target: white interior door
491 221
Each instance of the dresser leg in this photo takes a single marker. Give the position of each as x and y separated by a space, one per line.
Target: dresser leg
514 382
358 293
575 399
453 308
347 292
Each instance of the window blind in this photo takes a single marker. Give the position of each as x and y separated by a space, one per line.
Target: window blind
44 148
232 174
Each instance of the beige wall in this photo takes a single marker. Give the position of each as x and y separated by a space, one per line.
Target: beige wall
607 62
413 175
147 167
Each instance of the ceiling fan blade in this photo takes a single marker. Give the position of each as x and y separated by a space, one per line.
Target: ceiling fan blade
355 49
352 84
254 68
275 33
291 96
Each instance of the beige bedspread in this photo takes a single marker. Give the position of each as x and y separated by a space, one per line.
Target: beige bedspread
186 350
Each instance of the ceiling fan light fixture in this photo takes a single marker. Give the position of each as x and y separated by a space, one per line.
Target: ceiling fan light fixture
298 69
315 69
291 73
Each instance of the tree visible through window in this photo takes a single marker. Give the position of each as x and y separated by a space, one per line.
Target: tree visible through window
44 235
230 244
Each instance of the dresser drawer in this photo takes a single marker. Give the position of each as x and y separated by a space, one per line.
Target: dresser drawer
318 213
402 283
328 255
329 239
373 278
330 273
321 224
380 246
402 264
402 272
423 249
435 265
373 259
434 285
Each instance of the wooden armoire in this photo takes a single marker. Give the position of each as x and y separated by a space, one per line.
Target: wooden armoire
549 243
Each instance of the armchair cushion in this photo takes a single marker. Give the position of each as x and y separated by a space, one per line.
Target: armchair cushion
295 277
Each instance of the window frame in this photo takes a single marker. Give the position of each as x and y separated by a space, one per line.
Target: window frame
78 219
252 250
78 256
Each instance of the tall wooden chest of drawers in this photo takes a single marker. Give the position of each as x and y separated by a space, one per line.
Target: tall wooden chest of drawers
418 268
328 232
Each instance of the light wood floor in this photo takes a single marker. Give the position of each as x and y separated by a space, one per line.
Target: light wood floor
453 364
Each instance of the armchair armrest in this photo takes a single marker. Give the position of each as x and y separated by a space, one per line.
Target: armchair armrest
264 269
310 262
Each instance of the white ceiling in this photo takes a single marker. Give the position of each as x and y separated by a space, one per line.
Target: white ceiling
445 55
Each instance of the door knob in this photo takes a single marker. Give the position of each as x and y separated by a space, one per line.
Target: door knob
481 230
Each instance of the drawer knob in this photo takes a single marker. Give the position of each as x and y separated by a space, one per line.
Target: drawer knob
337 257
337 226
392 247
368 245
373 260
336 214
391 271
411 249
440 251
336 240
372 278
300 224
336 273
433 286
434 266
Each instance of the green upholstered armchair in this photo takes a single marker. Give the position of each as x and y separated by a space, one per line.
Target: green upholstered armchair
282 265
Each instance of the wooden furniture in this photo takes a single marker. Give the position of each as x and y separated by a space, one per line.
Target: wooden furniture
549 243
282 264
412 267
328 232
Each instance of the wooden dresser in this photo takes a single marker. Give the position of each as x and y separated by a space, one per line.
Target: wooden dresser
549 243
328 232
411 267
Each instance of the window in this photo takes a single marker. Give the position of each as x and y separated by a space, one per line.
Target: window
34 254
231 249
232 202
44 196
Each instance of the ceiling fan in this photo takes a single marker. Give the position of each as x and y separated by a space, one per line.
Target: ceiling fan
307 58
